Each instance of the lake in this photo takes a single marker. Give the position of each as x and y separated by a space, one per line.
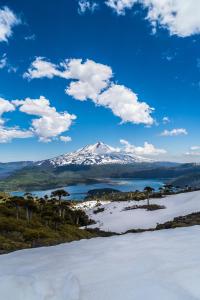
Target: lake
79 191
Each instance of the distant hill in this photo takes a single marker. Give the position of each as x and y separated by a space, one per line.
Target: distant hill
191 179
40 177
8 168
90 164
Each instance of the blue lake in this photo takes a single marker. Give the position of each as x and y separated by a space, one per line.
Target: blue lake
79 191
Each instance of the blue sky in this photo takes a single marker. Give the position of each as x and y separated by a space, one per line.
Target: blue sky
159 65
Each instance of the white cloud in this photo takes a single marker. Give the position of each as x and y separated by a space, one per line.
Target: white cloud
8 134
7 21
41 68
166 120
146 150
92 80
194 151
39 107
11 69
3 61
31 37
91 77
5 106
65 139
48 126
180 17
124 104
174 132
195 148
86 5
4 64
50 123
120 6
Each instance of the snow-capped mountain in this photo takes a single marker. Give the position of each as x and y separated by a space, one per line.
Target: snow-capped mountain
97 154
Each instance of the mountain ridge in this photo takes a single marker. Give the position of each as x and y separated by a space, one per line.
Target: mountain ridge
91 164
95 154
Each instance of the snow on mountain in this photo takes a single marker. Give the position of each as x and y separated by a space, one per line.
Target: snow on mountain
153 265
97 154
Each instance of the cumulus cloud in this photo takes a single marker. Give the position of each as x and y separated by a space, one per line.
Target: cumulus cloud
124 104
91 77
195 148
4 64
174 132
65 139
180 17
166 120
85 5
50 123
91 80
31 37
120 6
3 61
8 134
146 150
7 21
194 151
41 68
5 106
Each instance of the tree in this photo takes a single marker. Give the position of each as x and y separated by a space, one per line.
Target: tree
29 206
59 194
17 202
148 190
46 197
168 188
41 203
56 220
28 195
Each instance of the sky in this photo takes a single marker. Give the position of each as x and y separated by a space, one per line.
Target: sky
125 72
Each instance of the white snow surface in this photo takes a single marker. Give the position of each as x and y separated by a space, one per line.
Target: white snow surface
114 219
97 154
85 205
160 265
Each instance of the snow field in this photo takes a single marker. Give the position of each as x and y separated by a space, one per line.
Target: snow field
114 219
153 265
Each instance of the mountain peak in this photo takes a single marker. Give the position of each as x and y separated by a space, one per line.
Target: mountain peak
100 144
98 148
95 154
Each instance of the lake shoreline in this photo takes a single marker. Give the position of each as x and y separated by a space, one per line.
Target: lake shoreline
78 191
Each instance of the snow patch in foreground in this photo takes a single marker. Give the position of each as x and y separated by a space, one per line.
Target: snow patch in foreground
28 287
160 265
115 219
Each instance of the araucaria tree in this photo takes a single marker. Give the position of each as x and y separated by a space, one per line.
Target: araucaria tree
59 194
148 190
